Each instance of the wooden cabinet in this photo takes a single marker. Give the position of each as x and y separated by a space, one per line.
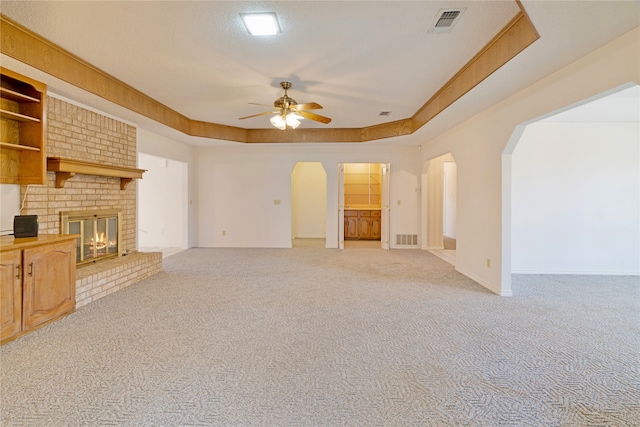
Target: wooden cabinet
362 225
364 232
350 224
38 282
10 294
22 129
376 225
49 282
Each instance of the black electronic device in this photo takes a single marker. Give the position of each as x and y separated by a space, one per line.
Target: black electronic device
25 226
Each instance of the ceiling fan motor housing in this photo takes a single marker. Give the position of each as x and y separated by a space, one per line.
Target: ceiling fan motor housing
286 105
284 102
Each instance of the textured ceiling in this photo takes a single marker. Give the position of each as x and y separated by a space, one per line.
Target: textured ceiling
356 58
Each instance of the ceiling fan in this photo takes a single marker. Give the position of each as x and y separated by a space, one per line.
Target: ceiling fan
289 112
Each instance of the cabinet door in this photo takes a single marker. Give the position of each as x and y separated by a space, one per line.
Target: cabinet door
10 294
376 227
351 228
49 283
365 228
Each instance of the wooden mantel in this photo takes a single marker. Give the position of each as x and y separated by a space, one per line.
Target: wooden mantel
67 168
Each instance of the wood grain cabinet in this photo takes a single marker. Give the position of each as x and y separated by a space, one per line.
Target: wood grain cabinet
376 225
350 225
365 225
362 225
10 294
38 282
22 130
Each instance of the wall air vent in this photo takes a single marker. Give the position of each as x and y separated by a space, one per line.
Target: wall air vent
446 20
406 240
384 113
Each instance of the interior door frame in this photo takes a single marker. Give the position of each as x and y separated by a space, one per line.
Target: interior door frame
341 205
384 211
384 204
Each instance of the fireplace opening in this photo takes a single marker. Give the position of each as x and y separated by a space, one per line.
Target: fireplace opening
100 233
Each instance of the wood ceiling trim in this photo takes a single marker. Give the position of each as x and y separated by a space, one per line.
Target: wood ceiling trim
257 136
388 130
216 131
22 44
510 41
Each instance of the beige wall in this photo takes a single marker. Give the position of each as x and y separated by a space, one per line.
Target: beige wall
483 144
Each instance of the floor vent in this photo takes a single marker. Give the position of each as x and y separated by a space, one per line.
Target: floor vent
406 240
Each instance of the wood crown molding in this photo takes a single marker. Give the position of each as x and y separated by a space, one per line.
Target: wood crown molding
25 46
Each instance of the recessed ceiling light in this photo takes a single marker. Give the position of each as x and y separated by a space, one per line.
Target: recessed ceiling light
261 24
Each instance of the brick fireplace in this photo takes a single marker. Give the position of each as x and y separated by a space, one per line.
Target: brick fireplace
76 133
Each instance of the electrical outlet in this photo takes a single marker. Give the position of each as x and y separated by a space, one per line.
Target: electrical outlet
224 232
399 202
489 262
276 202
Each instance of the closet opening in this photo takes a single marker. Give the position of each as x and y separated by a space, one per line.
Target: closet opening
362 190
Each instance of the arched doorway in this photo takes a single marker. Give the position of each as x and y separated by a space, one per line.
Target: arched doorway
571 190
439 231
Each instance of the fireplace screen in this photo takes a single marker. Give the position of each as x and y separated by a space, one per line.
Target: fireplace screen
99 233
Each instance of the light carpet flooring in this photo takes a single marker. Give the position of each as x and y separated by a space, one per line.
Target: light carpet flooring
319 337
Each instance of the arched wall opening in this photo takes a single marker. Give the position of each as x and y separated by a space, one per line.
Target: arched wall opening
439 207
571 190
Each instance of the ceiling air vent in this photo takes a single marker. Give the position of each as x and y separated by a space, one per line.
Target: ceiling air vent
446 20
384 113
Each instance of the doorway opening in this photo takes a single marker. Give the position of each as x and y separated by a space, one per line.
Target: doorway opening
571 190
364 207
439 203
308 205
163 202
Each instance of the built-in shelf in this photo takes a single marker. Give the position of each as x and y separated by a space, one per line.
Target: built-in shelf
23 142
16 96
18 147
5 114
67 168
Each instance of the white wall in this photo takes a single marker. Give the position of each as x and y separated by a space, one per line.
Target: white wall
238 187
484 217
309 200
9 207
162 202
449 200
576 199
160 146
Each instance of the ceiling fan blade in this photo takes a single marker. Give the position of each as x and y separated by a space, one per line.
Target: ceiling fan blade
308 106
261 114
264 105
315 117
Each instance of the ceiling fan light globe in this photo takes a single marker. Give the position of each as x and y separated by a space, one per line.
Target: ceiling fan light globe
292 121
279 122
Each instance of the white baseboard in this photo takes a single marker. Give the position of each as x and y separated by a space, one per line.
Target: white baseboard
579 273
493 288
